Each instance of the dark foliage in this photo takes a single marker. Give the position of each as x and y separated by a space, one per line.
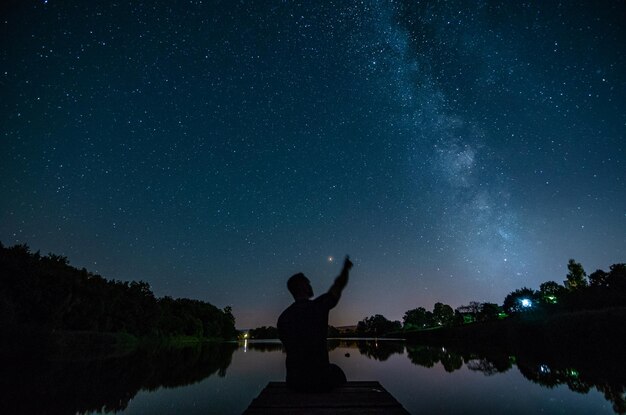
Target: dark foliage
604 290
489 312
576 278
601 290
477 311
376 326
47 294
420 318
417 318
520 300
264 332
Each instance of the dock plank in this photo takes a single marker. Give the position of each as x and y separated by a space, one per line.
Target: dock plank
360 397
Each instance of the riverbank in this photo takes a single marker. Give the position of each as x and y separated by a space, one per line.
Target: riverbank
575 333
33 343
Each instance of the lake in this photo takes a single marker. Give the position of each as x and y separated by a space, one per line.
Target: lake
224 378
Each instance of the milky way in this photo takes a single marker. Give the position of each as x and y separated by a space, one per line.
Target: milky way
456 151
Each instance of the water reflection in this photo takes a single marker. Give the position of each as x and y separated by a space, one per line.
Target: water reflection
605 374
109 385
265 346
79 386
373 348
427 356
579 377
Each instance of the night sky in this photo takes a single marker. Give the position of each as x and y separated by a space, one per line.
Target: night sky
457 151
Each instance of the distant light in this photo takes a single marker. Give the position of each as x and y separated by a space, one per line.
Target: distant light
331 259
526 302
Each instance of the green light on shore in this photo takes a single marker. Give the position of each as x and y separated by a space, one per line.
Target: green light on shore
573 373
551 299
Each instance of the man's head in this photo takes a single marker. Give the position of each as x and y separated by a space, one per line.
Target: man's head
300 287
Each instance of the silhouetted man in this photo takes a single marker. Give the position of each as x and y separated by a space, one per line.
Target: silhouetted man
303 327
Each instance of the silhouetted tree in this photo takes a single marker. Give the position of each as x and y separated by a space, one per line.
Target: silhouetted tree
489 312
48 294
228 324
264 332
598 278
550 292
443 314
576 277
520 300
377 325
616 280
417 318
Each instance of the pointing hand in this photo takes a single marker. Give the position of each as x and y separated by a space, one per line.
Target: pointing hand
347 264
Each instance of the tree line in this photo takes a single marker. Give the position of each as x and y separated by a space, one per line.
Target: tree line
578 292
46 293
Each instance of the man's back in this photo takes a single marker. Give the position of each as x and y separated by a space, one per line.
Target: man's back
302 328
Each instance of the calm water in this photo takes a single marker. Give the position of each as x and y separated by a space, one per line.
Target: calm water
223 379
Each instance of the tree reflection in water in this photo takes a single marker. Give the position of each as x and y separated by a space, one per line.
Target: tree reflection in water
547 368
79 386
85 385
579 376
265 346
373 348
579 373
427 356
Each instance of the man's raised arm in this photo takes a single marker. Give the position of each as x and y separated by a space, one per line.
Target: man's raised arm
341 280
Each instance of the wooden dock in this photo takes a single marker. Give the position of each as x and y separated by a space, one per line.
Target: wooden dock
352 398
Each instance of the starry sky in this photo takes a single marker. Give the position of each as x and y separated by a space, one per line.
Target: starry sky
456 150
